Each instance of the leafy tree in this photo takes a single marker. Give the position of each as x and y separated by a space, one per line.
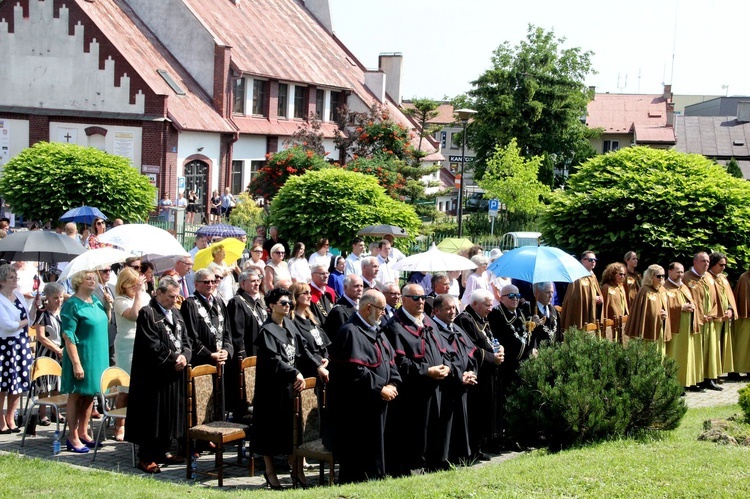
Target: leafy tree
422 112
335 203
665 205
281 165
247 213
48 179
512 179
534 92
308 136
733 168
386 170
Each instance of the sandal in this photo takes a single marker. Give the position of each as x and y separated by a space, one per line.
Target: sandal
149 468
45 421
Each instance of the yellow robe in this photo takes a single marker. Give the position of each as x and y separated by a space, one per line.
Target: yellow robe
742 325
686 345
724 326
703 289
645 319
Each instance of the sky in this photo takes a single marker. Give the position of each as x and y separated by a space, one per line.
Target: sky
448 43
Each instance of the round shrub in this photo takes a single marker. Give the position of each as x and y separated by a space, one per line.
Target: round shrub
588 390
745 402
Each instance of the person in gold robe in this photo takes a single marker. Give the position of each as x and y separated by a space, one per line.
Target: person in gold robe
614 297
649 315
703 288
742 325
582 297
725 310
686 345
633 280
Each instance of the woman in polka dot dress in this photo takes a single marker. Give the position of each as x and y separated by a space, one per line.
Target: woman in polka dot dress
15 352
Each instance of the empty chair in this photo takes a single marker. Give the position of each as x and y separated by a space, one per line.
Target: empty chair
44 366
112 377
307 432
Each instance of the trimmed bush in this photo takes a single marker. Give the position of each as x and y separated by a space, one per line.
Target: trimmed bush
588 390
744 402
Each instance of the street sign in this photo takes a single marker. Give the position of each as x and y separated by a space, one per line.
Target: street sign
493 207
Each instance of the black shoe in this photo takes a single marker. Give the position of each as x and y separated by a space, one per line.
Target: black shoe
711 385
269 485
734 377
696 389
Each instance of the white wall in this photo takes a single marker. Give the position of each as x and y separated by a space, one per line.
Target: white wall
14 134
189 143
45 67
125 141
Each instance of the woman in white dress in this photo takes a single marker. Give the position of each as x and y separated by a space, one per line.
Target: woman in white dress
477 279
276 269
322 255
298 266
130 298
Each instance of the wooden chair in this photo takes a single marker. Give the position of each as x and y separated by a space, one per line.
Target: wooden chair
112 380
592 327
247 394
203 407
44 366
621 321
558 308
608 329
307 432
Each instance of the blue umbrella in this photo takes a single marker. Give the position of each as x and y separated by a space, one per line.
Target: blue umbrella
83 215
220 230
538 264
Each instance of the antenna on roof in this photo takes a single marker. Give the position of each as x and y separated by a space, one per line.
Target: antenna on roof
624 85
674 42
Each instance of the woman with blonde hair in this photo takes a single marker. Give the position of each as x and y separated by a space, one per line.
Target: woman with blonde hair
223 272
129 300
649 314
276 269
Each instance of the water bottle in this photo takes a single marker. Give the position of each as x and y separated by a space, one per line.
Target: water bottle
56 443
495 345
193 467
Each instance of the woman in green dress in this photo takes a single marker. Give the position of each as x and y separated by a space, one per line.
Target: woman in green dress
86 356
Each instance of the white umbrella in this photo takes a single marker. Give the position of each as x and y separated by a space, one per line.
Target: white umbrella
94 259
434 260
143 240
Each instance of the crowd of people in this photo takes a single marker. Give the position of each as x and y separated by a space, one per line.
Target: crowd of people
415 374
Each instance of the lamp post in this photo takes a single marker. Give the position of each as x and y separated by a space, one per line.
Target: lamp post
464 115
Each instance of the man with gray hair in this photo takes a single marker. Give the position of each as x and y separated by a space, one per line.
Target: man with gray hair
207 321
543 312
392 298
364 381
370 269
345 307
485 424
322 296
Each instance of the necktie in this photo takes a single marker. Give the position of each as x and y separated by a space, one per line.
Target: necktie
183 285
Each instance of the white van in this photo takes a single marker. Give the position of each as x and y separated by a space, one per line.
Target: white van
512 240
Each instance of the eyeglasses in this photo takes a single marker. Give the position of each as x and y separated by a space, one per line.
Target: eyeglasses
185 263
322 273
660 276
392 293
106 270
100 222
279 252
416 297
378 307
284 303
135 267
210 282
590 259
258 251
514 296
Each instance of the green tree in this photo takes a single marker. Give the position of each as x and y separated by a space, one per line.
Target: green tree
281 165
534 92
422 112
512 179
247 213
665 205
733 168
335 203
47 179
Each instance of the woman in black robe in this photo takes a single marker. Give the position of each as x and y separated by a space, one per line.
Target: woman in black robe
281 355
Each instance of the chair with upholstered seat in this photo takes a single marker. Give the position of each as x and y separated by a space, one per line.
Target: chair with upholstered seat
204 416
307 431
113 380
247 393
44 366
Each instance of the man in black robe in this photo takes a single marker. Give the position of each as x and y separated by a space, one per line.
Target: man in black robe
247 313
322 296
207 322
463 374
485 418
156 408
345 307
414 433
364 379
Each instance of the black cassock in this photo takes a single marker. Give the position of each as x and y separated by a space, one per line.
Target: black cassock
282 354
362 363
483 404
156 404
415 427
461 356
338 315
316 341
509 327
246 316
202 339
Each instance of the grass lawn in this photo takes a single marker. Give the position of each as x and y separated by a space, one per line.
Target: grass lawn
674 464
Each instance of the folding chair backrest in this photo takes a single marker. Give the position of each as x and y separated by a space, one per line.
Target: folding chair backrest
45 366
247 370
201 383
114 377
309 414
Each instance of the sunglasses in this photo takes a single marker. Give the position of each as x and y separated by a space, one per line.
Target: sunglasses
257 251
99 223
279 252
135 267
416 297
514 296
660 276
106 270
590 259
210 282
284 303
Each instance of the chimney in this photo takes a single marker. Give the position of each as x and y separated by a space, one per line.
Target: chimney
667 93
321 10
743 111
670 114
592 89
375 81
391 64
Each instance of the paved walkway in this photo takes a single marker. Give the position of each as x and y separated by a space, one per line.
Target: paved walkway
115 456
